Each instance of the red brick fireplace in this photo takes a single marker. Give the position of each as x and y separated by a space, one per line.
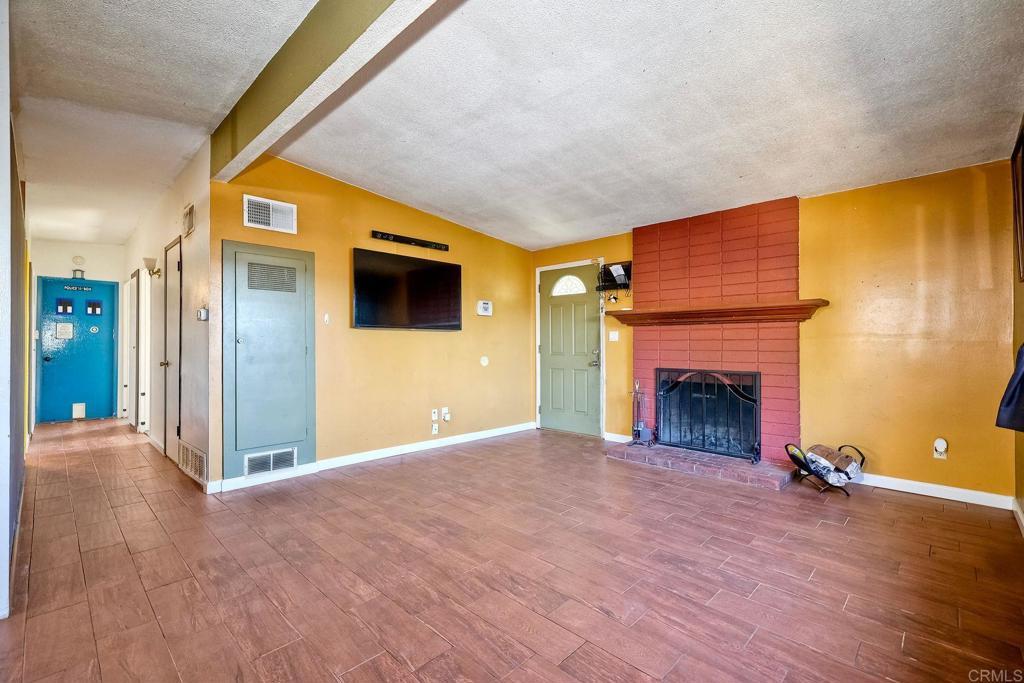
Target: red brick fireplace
740 256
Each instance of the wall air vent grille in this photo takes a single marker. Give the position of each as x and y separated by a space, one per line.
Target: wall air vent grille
271 277
192 462
269 214
188 220
259 463
284 459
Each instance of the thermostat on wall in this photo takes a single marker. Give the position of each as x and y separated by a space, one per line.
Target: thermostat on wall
484 308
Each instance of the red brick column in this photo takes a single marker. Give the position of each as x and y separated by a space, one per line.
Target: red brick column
739 255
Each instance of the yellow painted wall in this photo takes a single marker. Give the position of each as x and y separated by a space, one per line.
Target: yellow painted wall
618 355
375 388
916 343
1018 339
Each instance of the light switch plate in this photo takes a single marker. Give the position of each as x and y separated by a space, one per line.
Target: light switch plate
613 335
433 414
484 308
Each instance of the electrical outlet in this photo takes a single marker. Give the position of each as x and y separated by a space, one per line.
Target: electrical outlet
433 427
433 414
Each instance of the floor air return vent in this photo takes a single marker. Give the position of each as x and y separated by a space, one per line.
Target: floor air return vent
193 462
259 463
269 214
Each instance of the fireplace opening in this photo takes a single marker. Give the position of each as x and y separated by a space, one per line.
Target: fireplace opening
710 410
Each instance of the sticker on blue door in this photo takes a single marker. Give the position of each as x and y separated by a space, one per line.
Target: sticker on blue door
77 349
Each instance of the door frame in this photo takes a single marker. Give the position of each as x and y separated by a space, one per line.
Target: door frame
37 341
176 242
135 357
599 262
306 448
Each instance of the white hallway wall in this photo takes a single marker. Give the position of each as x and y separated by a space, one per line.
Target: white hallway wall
53 258
160 226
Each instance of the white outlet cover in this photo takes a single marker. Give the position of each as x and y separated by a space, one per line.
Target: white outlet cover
433 428
485 361
613 335
484 308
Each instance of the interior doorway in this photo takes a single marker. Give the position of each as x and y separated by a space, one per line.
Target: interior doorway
134 297
171 362
77 352
570 349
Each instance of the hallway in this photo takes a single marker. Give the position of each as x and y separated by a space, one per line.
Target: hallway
526 557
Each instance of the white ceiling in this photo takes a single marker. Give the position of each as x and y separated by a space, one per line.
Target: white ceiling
549 122
113 98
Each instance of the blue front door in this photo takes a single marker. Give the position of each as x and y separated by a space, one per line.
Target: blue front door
77 350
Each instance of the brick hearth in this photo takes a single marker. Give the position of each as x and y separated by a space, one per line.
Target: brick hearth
740 255
766 475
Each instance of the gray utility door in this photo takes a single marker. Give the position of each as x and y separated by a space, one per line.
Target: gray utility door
171 362
269 354
570 350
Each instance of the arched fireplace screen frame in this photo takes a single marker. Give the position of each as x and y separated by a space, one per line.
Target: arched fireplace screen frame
714 411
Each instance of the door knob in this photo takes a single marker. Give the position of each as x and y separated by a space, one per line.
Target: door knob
164 363
595 363
239 340
47 359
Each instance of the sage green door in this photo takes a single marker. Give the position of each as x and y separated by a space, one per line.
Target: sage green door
570 350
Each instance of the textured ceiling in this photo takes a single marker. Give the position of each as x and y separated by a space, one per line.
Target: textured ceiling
544 123
113 97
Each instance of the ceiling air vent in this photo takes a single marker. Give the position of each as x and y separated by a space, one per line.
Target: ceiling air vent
269 214
259 463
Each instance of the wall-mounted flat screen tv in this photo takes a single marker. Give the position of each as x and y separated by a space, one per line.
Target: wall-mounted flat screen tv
403 292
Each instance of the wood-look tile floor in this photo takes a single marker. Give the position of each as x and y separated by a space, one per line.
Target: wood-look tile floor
530 557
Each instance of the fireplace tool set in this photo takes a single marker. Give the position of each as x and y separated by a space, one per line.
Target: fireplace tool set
642 434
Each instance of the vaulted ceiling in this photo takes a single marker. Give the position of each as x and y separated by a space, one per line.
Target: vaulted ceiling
537 122
550 122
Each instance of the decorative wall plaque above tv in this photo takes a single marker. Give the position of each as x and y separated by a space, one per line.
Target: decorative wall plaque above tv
402 239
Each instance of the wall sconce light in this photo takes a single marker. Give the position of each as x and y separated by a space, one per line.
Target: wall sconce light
150 265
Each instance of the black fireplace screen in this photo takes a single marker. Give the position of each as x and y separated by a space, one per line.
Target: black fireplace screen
709 410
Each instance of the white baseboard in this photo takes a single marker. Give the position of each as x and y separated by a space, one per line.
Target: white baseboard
1019 514
617 438
265 477
992 500
365 456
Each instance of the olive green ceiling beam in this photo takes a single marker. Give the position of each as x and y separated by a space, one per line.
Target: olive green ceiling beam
335 40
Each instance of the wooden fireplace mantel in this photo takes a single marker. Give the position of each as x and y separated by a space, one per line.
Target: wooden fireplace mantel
776 311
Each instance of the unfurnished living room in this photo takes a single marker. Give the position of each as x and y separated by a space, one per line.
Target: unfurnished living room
533 340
